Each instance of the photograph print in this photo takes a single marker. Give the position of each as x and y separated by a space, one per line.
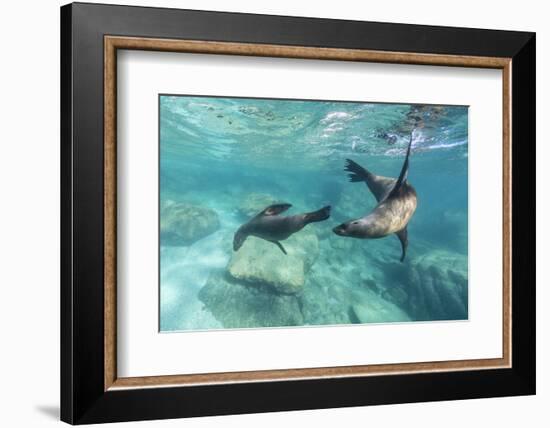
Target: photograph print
295 213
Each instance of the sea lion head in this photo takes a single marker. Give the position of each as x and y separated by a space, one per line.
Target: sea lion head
353 228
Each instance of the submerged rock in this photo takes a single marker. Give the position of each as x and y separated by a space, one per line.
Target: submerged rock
182 224
439 286
346 295
377 310
343 245
237 305
262 262
253 203
398 295
339 302
324 304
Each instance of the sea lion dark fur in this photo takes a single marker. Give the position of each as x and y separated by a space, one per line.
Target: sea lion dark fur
272 227
396 205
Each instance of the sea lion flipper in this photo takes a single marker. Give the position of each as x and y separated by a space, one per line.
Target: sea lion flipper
239 238
275 209
404 239
318 215
378 185
404 171
356 172
278 244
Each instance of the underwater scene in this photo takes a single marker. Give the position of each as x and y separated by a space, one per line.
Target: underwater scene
281 213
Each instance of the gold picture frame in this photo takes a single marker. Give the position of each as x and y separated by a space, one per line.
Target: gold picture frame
114 43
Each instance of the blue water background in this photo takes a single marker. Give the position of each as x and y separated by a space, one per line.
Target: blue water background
214 152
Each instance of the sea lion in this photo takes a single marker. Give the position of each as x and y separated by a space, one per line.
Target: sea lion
272 227
396 205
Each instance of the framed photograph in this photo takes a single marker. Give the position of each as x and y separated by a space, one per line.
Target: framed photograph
266 213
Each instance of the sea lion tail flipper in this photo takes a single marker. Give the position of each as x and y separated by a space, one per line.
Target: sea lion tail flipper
404 170
378 185
404 239
278 244
356 172
275 209
319 215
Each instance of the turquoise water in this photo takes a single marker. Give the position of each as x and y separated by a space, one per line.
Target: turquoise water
222 160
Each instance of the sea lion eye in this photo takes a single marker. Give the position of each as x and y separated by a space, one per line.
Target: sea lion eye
355 222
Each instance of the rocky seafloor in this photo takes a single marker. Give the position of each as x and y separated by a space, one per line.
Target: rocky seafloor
323 280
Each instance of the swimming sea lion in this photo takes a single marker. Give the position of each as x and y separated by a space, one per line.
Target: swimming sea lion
396 205
272 227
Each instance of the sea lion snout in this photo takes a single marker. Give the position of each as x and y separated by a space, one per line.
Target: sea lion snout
353 229
341 229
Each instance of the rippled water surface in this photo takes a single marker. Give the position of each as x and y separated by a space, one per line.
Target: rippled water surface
222 160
